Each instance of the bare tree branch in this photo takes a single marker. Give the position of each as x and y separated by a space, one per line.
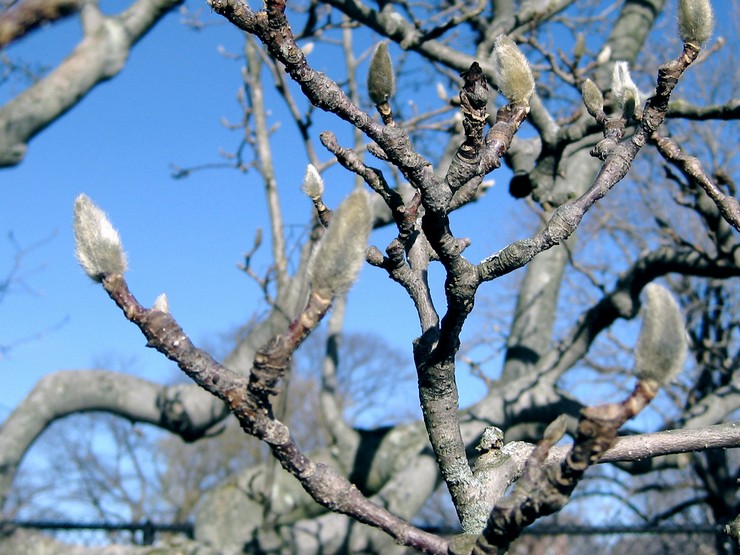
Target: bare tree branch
100 55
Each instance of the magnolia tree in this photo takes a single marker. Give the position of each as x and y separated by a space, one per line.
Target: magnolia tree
587 126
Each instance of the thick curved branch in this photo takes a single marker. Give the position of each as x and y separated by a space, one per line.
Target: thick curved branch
685 110
183 409
29 15
99 56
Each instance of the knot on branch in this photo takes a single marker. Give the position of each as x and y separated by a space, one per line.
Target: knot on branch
174 415
564 222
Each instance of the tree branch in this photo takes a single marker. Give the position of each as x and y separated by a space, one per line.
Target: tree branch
100 55
29 15
247 399
182 409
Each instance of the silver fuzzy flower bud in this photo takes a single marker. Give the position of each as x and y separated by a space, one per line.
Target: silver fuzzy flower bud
625 91
313 185
662 344
604 55
512 72
695 20
592 97
380 79
336 263
98 245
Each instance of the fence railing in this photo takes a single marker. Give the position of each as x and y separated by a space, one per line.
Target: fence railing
147 528
148 531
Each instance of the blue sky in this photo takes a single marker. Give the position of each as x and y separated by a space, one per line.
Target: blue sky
183 237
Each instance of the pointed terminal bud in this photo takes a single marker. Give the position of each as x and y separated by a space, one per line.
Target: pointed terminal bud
441 92
380 78
307 48
579 50
592 97
161 304
695 21
334 266
98 246
313 185
556 429
604 55
662 345
624 89
512 72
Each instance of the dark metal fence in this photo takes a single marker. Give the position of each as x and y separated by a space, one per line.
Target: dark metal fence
625 540
142 533
536 540
569 539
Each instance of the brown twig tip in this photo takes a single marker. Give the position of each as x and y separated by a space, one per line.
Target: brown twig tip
98 246
695 21
475 89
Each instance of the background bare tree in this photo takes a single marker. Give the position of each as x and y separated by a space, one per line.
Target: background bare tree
666 218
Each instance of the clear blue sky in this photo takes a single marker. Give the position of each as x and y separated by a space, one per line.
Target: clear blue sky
183 237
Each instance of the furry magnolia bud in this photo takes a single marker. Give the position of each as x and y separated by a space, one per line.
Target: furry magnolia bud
580 48
313 185
604 55
98 245
512 72
624 89
695 20
380 80
662 345
556 429
592 97
338 259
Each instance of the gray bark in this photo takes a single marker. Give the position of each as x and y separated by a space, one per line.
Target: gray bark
100 55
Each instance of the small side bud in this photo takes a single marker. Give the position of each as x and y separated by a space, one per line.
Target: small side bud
98 246
512 72
592 97
337 261
662 345
441 92
313 185
579 50
604 55
624 89
556 429
380 78
161 304
695 21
